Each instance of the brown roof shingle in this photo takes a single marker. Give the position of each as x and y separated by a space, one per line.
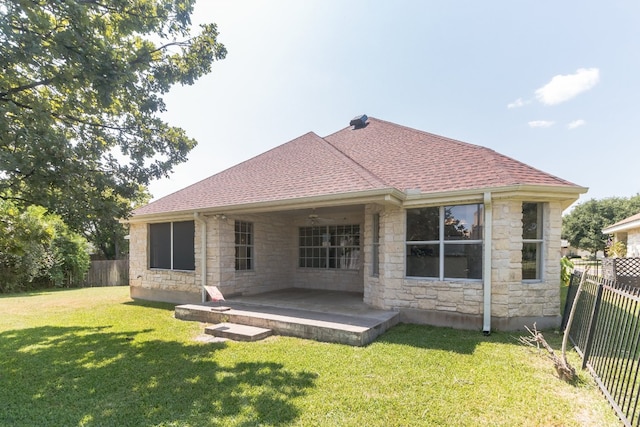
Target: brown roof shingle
381 155
406 158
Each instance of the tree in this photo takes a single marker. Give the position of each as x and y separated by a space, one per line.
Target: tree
38 249
80 93
582 227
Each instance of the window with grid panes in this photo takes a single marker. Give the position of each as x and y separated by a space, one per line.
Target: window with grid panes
244 245
445 242
375 250
532 241
330 246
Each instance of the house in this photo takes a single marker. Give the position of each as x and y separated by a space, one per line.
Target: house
445 232
628 232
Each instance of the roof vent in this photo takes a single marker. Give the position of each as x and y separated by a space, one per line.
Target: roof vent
359 122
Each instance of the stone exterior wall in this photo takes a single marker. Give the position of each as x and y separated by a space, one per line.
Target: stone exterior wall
372 287
156 284
506 262
392 262
138 250
271 247
329 279
418 300
322 278
551 264
514 302
274 264
535 300
633 243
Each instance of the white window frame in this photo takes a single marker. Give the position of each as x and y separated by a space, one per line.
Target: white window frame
246 229
325 248
172 243
539 242
442 243
375 245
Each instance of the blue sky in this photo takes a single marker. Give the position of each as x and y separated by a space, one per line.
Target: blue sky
552 84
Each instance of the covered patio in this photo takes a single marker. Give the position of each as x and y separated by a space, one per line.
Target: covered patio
329 316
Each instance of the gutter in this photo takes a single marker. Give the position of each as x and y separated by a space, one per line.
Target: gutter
203 253
543 193
486 267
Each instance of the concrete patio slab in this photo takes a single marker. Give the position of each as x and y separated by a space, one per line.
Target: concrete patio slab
320 315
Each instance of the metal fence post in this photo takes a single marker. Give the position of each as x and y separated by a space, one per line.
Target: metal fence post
593 320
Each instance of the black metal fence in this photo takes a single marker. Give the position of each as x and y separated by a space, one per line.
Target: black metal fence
595 266
606 333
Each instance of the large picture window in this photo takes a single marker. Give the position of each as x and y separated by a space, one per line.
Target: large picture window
330 247
445 242
532 240
171 245
244 245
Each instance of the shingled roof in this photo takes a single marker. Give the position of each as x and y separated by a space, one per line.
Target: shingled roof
378 156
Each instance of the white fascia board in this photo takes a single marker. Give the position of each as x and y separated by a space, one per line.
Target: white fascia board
163 217
532 193
621 227
390 196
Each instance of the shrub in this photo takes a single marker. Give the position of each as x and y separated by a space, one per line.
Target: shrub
566 267
71 257
617 250
37 249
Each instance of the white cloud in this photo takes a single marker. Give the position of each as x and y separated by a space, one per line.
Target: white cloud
562 88
518 103
576 124
541 123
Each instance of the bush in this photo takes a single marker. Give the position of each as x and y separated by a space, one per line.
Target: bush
617 250
71 257
37 249
566 268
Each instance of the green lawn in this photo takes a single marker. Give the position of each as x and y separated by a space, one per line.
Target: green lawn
93 357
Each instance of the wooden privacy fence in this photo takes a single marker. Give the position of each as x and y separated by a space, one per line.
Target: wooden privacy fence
108 273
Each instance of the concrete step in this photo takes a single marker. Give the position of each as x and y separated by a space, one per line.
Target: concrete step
236 332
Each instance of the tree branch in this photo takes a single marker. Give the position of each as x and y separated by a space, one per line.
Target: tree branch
27 87
565 371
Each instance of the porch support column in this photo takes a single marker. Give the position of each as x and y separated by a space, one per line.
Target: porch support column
486 267
203 253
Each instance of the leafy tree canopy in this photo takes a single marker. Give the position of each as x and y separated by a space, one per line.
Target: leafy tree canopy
80 93
582 227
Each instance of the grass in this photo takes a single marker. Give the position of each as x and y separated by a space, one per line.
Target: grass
93 357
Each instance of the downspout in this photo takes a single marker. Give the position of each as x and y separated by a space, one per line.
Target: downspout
486 267
203 253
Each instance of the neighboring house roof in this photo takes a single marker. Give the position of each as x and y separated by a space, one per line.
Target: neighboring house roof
624 225
380 156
